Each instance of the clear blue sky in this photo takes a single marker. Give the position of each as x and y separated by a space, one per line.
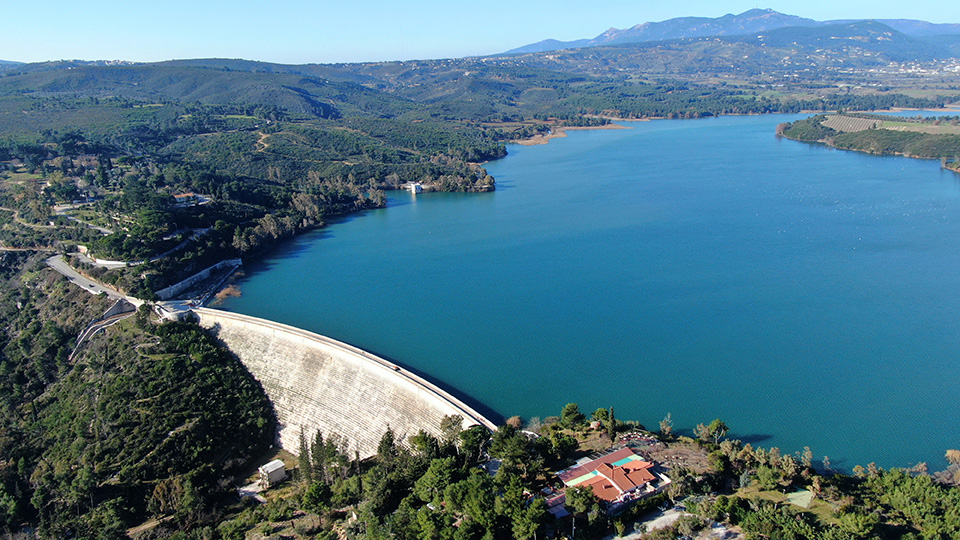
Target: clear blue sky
304 31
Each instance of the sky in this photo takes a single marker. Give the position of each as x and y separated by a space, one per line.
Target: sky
322 31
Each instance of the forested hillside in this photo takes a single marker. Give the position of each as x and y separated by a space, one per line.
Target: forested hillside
141 420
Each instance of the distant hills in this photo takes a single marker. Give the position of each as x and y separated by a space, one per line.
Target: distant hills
793 50
295 89
749 22
495 84
780 49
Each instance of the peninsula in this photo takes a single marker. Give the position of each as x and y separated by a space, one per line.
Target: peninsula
917 137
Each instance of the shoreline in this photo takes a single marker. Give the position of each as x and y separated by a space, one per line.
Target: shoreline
544 139
830 144
560 132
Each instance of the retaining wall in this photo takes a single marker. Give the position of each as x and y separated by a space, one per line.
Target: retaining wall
317 383
177 288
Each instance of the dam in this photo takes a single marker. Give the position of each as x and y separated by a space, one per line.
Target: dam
320 384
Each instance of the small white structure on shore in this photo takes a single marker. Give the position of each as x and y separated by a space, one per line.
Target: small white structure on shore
416 187
271 473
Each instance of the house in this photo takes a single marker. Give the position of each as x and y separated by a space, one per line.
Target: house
271 473
186 199
416 187
617 477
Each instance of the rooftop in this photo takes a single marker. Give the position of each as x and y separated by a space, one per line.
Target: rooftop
612 475
272 466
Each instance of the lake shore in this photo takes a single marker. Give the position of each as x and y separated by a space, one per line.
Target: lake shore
560 132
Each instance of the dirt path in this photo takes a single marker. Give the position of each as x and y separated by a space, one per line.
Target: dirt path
16 217
262 141
35 248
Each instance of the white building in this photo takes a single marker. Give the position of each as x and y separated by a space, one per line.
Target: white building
271 473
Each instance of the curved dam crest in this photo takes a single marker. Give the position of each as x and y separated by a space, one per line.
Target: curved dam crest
320 384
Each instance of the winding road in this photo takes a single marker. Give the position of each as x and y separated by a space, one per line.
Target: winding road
91 286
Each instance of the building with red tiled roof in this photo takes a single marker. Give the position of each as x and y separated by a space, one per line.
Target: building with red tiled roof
616 477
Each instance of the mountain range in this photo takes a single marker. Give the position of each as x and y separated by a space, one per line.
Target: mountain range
749 22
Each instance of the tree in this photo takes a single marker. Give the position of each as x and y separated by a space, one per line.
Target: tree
509 445
688 525
478 499
859 525
316 498
306 468
585 503
473 443
601 415
527 523
387 449
718 430
143 316
816 486
562 444
806 458
430 486
702 432
789 466
718 462
766 477
666 427
450 428
571 417
745 479
425 444
318 458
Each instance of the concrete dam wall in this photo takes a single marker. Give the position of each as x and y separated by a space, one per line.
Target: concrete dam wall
317 383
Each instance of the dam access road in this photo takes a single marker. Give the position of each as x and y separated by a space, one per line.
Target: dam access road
320 384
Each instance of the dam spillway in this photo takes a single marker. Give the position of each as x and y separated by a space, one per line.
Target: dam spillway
320 384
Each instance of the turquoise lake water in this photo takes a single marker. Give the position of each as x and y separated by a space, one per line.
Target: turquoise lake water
806 296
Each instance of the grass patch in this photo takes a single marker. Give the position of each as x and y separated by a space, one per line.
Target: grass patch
593 441
942 129
159 357
20 177
823 510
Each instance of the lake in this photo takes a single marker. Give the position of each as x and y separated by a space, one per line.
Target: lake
804 295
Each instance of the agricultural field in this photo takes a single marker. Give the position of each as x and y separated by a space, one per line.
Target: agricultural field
942 128
848 124
852 124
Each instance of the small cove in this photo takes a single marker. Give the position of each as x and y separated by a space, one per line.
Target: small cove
806 296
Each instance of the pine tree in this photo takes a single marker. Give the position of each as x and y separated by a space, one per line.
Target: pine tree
318 455
306 468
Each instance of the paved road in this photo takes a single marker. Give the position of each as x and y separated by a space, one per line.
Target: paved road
93 287
61 210
111 265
